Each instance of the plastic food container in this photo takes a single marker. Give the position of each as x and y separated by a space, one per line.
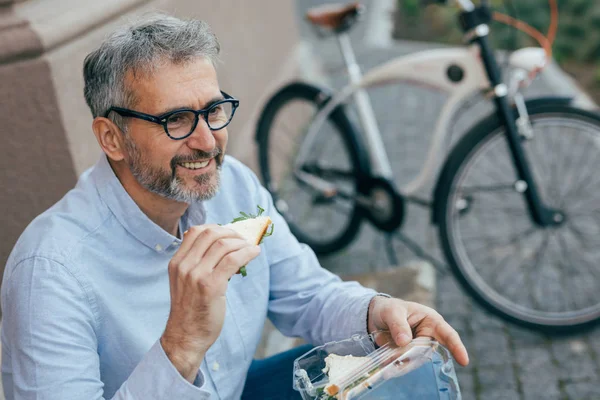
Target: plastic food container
421 370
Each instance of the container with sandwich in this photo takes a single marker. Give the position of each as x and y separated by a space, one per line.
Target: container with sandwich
353 369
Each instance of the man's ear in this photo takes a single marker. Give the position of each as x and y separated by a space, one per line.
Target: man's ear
109 137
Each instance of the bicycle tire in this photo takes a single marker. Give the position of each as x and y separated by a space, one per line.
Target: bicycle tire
452 199
316 97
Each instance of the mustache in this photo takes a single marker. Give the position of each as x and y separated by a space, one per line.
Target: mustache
196 155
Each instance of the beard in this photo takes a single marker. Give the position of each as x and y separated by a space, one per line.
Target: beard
166 183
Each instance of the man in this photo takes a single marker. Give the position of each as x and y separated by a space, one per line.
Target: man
127 287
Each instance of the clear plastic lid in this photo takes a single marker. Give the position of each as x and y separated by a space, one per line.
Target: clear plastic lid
421 370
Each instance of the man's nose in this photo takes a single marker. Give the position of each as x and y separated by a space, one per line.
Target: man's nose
202 137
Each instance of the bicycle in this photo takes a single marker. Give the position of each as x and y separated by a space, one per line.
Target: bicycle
514 199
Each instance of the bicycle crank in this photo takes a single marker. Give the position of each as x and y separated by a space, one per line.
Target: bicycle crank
383 205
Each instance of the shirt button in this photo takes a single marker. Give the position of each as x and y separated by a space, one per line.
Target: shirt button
215 366
158 247
175 244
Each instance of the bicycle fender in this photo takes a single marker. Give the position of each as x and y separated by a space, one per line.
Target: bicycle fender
552 100
531 105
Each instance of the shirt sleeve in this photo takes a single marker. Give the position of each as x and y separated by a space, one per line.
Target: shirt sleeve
305 299
49 327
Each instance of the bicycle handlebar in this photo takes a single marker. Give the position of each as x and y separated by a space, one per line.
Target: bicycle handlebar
545 41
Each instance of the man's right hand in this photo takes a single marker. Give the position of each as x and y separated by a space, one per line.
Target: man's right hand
199 272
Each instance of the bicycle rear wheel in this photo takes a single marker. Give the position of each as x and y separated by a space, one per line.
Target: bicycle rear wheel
324 222
544 278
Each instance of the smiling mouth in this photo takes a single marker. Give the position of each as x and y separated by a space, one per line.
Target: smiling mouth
194 165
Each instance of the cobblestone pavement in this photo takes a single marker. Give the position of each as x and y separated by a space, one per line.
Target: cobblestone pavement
507 362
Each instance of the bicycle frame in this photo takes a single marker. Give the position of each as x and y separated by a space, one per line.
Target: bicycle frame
427 68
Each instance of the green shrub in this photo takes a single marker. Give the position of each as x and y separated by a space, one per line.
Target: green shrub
578 36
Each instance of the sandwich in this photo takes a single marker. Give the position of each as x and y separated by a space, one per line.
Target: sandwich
339 368
253 227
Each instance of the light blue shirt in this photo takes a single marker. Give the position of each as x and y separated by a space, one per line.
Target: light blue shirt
85 297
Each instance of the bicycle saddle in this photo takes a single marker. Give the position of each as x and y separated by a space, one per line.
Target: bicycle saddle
338 17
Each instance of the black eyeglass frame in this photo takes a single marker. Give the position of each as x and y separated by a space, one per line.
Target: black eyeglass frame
163 118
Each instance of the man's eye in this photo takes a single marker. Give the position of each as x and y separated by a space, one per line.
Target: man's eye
217 109
180 118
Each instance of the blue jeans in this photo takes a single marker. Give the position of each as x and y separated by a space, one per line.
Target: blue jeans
272 377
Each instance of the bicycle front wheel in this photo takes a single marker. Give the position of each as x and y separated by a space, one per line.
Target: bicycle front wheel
325 222
544 278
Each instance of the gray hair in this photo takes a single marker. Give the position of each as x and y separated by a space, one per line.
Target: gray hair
139 48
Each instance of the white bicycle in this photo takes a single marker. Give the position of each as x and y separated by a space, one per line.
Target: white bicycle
517 201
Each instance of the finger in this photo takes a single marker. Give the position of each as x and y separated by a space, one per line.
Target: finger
396 320
180 266
188 240
232 262
221 248
450 339
203 241
382 337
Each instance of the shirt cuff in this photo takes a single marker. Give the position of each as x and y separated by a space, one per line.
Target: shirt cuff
358 322
156 377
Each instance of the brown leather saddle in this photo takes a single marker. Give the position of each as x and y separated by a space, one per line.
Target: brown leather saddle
336 17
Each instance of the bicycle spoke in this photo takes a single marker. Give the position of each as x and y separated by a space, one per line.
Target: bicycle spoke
580 235
341 206
565 263
582 203
538 256
580 160
586 186
542 160
290 129
515 267
509 187
585 182
585 175
594 215
282 152
591 269
287 136
553 166
540 173
497 166
584 238
496 243
594 212
503 269
498 199
578 177
328 173
566 251
508 210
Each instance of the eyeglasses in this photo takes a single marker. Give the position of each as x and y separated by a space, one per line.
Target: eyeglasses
179 124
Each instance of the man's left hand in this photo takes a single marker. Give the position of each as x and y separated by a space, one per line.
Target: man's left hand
406 320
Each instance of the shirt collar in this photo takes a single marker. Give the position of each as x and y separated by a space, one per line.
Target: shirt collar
133 219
